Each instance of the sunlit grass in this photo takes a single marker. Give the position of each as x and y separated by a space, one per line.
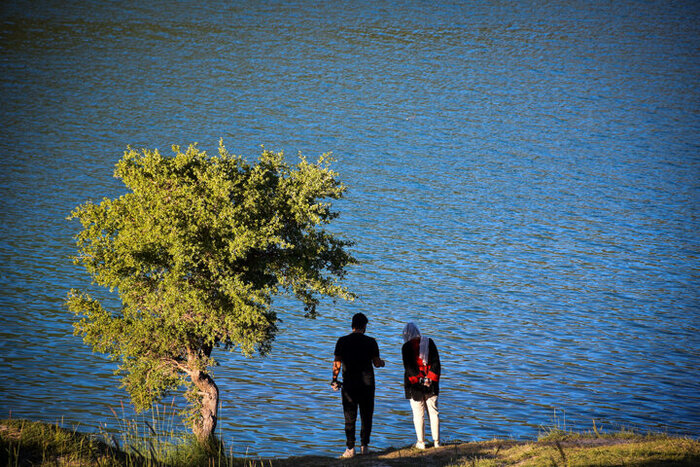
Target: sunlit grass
584 450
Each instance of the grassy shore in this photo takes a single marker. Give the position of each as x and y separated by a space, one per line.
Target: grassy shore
25 443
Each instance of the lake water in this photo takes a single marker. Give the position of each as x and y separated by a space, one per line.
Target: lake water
524 183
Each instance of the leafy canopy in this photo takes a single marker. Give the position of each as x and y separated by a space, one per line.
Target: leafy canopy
197 249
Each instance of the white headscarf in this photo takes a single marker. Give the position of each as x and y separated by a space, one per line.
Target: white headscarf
410 332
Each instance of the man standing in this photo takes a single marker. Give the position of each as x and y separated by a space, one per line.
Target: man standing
356 353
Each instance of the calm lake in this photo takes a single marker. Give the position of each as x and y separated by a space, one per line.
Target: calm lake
524 184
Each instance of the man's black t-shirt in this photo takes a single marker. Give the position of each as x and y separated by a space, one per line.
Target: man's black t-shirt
356 351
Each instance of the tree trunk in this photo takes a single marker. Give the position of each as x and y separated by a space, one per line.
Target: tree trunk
205 426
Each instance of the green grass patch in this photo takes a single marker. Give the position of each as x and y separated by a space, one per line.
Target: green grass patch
27 443
35 443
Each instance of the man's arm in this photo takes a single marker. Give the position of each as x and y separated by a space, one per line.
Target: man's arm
336 367
376 361
336 370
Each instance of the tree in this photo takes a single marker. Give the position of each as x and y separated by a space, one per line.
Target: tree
197 250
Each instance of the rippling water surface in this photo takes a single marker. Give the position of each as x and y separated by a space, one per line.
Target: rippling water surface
524 184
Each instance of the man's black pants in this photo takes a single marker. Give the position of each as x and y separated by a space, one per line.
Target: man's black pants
362 397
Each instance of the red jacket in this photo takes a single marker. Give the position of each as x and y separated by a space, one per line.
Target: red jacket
415 369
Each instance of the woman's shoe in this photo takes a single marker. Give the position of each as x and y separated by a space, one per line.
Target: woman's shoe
420 445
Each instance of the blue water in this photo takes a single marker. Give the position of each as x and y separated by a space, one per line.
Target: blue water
524 183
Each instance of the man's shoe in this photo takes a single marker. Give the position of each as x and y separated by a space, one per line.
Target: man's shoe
364 450
420 445
348 453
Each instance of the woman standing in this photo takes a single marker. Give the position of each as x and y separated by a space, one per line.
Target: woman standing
421 363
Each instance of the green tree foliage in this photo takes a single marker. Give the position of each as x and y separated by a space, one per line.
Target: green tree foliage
196 250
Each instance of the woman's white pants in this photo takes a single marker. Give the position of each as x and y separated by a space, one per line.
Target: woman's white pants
419 407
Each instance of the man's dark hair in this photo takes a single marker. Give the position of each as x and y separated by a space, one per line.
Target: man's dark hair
359 321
